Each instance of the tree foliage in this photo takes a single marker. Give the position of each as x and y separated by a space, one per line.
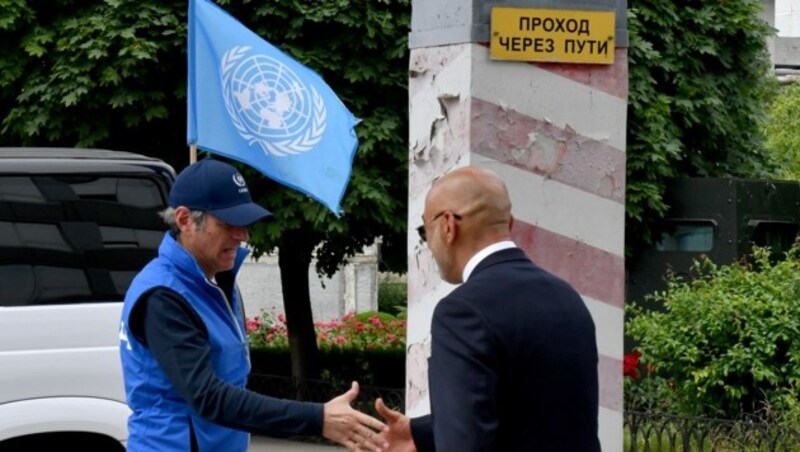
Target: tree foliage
699 86
112 74
726 343
783 131
101 73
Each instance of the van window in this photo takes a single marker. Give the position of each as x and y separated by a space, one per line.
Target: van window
778 236
692 236
75 238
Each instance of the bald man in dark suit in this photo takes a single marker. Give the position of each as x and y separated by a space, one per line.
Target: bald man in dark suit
513 363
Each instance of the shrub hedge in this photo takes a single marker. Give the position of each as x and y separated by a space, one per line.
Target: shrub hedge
368 347
727 342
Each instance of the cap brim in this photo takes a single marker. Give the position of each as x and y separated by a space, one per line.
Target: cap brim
241 215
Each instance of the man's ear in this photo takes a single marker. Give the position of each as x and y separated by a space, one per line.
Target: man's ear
183 218
450 229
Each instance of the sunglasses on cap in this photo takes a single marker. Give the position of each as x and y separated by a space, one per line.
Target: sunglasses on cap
421 228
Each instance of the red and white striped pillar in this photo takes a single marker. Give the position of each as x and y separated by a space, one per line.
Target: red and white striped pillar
556 134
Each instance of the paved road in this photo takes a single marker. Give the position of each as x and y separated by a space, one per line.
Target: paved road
264 444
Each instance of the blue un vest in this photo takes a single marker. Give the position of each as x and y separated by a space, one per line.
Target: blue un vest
162 420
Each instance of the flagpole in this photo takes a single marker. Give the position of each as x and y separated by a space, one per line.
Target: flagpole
192 153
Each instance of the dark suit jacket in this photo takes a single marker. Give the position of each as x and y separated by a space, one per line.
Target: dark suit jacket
513 364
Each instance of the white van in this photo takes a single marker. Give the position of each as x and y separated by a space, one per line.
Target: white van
75 226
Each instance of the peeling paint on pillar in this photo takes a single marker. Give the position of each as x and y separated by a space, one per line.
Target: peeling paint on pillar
417 378
543 148
439 87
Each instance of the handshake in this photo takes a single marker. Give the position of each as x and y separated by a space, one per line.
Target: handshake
360 432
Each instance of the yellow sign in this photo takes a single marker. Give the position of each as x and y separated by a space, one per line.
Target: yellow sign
552 35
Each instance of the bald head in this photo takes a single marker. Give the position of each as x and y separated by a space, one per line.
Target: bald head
465 211
480 197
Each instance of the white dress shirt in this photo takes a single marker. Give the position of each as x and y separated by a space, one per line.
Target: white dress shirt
483 254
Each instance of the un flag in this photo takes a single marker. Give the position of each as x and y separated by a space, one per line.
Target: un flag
251 102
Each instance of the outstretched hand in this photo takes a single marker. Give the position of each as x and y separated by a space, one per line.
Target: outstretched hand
398 434
350 427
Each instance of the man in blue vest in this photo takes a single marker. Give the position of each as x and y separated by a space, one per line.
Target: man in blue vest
184 349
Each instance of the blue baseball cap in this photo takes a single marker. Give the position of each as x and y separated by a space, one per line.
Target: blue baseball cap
217 188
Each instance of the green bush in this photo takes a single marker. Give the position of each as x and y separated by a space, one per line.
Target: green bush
393 297
725 344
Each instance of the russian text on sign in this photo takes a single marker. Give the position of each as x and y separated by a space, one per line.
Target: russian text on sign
560 25
550 35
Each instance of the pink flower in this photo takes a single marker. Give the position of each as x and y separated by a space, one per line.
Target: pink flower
348 331
252 324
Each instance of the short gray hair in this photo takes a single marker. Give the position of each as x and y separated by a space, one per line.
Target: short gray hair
168 215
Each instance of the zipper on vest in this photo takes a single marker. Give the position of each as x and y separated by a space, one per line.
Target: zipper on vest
230 309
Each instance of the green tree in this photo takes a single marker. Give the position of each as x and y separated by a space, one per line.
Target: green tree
783 131
700 83
112 74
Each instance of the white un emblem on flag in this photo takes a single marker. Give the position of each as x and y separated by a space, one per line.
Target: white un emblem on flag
269 104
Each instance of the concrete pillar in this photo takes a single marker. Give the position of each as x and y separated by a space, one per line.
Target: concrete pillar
556 133
768 15
359 282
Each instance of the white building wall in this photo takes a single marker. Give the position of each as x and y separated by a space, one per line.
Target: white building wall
787 18
354 288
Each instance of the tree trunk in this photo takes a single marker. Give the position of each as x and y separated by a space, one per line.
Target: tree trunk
294 258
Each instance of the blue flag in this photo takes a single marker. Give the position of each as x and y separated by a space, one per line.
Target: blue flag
251 102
